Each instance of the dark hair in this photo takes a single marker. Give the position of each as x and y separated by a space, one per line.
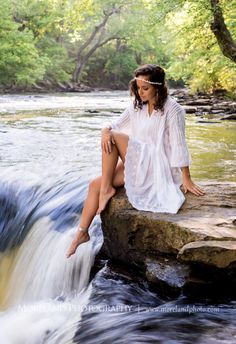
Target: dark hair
155 74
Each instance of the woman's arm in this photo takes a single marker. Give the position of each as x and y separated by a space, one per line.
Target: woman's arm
179 151
188 184
122 123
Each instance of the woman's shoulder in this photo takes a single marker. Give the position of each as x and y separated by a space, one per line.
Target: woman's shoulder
134 110
171 102
130 106
172 107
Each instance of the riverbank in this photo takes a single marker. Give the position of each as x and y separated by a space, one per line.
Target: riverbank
49 87
207 107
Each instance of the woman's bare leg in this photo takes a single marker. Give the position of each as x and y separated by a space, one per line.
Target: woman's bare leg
109 161
91 206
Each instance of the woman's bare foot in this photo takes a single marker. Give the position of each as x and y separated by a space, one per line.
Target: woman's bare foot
104 198
80 238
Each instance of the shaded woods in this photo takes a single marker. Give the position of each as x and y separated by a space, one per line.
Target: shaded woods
98 43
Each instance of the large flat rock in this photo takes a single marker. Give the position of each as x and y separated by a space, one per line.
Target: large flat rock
129 232
203 231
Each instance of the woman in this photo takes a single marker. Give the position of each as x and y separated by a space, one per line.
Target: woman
149 138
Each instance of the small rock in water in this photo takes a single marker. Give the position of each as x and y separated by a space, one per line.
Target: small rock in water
92 111
205 121
232 116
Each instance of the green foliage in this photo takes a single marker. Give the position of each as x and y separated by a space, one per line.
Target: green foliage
58 67
119 69
195 56
20 63
45 20
40 41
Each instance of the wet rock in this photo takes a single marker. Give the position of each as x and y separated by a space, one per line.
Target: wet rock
92 111
204 121
205 280
167 274
204 109
215 104
217 253
216 111
116 111
229 117
199 102
190 109
203 232
70 86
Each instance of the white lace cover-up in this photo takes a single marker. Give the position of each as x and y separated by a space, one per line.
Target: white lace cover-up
156 150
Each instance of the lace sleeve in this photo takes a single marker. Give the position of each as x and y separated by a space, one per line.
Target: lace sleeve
122 123
180 156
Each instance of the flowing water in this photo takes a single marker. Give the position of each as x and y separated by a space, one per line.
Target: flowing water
50 149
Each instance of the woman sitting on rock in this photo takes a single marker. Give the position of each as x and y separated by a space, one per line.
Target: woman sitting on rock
149 138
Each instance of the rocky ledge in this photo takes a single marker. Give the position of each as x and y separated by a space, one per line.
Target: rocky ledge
194 250
208 107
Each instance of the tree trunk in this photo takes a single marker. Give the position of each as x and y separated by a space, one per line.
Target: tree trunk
138 57
81 64
82 56
222 34
78 70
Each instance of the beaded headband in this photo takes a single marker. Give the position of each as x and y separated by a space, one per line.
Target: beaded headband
149 82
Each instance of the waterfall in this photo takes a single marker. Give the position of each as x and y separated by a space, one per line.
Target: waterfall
41 291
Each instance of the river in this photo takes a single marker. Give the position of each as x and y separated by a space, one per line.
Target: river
50 149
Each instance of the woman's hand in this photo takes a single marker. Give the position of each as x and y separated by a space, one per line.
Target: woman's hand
188 185
107 140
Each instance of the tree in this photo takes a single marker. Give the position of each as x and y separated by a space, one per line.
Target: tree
224 38
45 20
139 43
194 53
94 40
99 31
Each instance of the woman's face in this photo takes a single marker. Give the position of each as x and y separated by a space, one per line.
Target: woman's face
146 91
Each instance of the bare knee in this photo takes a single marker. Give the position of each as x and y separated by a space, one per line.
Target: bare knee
115 134
95 184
